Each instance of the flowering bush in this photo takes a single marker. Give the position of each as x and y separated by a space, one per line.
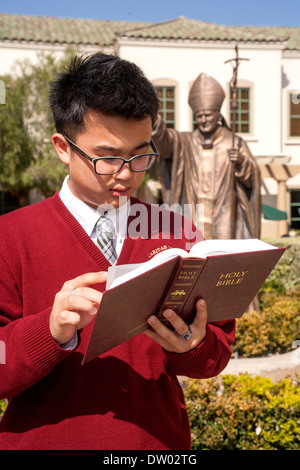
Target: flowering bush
3 404
277 326
271 331
243 413
284 278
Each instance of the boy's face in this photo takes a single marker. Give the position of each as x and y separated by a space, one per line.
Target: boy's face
106 136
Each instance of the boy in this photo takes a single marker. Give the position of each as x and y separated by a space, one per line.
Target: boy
53 272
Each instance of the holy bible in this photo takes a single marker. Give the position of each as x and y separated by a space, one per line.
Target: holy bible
227 274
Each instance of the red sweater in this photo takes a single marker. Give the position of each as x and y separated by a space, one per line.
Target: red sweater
128 398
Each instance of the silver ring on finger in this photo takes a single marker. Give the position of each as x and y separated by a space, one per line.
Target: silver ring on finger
72 291
187 336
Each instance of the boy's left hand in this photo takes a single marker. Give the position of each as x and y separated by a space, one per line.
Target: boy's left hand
173 341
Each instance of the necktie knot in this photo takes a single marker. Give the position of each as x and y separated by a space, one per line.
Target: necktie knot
105 236
106 225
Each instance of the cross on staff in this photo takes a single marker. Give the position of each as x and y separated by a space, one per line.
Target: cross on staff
233 86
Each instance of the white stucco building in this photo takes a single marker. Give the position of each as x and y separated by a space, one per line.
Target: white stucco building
172 54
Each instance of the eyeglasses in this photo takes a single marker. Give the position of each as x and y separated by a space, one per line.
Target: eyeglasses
112 165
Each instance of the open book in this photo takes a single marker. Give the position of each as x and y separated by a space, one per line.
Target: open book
226 273
119 274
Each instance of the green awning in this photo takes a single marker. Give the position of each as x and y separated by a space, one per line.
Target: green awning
271 213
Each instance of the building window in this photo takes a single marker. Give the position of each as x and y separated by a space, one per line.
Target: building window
295 208
243 110
166 94
294 115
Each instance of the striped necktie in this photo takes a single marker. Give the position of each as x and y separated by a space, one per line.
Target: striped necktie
105 234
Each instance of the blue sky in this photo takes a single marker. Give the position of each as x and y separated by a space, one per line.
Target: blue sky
229 12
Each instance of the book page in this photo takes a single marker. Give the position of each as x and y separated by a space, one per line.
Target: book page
116 271
119 274
222 247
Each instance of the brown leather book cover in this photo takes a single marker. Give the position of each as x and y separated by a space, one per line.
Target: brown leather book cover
228 283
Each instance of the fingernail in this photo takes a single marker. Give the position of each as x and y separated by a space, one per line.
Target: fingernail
152 320
168 313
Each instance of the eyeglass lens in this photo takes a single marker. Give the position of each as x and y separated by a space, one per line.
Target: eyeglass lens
113 165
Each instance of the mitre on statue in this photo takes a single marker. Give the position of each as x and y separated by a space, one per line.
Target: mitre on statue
206 93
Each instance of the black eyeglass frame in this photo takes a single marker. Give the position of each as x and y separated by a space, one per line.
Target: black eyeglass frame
94 160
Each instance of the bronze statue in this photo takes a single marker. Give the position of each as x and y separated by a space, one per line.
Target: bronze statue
206 167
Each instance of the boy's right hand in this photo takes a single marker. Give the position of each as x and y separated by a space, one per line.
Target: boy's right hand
75 306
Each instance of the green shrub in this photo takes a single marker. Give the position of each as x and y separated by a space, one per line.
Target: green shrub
277 325
243 413
271 331
285 276
3 404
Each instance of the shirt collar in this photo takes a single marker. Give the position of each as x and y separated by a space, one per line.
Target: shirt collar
87 216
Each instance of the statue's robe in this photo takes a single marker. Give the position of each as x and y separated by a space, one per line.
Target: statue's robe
206 178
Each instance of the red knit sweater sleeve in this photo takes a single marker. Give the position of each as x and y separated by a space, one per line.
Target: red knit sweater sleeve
28 349
210 357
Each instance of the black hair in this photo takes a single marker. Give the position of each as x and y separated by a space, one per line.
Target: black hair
102 83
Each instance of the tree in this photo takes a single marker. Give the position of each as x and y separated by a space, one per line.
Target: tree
16 150
27 157
46 171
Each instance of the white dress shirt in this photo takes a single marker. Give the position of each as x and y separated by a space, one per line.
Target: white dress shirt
87 216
